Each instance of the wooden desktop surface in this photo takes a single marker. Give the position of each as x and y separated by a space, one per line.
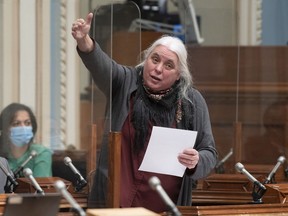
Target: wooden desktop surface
217 210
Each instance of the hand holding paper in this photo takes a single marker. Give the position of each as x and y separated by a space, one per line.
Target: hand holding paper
163 150
189 158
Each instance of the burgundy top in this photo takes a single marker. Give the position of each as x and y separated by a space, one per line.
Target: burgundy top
135 189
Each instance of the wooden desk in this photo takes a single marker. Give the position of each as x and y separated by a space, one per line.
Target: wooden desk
2 202
47 184
276 193
223 189
121 212
204 197
227 182
236 210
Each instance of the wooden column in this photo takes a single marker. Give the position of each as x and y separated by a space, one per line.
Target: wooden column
114 175
91 162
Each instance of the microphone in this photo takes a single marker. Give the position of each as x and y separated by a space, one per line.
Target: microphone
240 168
81 182
219 165
21 167
10 179
28 174
155 184
60 187
280 161
258 189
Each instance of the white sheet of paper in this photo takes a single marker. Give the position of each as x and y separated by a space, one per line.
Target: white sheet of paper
164 146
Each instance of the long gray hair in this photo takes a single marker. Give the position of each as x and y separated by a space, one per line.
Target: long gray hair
177 46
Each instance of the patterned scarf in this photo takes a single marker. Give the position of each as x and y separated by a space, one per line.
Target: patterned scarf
159 110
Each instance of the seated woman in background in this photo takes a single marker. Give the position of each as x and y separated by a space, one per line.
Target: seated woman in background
18 127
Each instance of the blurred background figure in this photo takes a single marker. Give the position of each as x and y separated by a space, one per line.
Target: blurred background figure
5 169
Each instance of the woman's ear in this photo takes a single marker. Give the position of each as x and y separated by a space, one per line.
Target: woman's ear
178 78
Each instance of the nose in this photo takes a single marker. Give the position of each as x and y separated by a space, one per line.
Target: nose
159 67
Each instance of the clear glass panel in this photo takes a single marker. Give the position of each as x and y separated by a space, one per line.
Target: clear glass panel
214 66
111 30
215 75
263 103
263 90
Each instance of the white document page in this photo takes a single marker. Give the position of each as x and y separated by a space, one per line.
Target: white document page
163 148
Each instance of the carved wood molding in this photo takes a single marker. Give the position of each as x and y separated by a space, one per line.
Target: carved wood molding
63 71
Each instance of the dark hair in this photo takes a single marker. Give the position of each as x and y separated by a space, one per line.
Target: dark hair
6 118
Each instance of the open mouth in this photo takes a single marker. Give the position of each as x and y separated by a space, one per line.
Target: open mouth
155 78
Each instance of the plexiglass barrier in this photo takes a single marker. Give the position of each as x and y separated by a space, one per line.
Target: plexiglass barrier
111 30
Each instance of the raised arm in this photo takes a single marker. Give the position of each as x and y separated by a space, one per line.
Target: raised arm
80 32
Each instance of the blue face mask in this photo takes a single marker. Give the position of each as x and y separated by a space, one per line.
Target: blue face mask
21 136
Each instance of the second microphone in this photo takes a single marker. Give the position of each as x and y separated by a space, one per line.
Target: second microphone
80 181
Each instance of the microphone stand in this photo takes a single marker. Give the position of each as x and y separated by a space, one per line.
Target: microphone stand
286 172
271 180
10 185
19 171
80 183
271 177
258 192
219 169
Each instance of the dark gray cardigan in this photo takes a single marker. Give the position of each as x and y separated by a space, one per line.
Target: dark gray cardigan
124 82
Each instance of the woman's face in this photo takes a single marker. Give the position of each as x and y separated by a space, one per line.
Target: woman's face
161 69
21 118
20 133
